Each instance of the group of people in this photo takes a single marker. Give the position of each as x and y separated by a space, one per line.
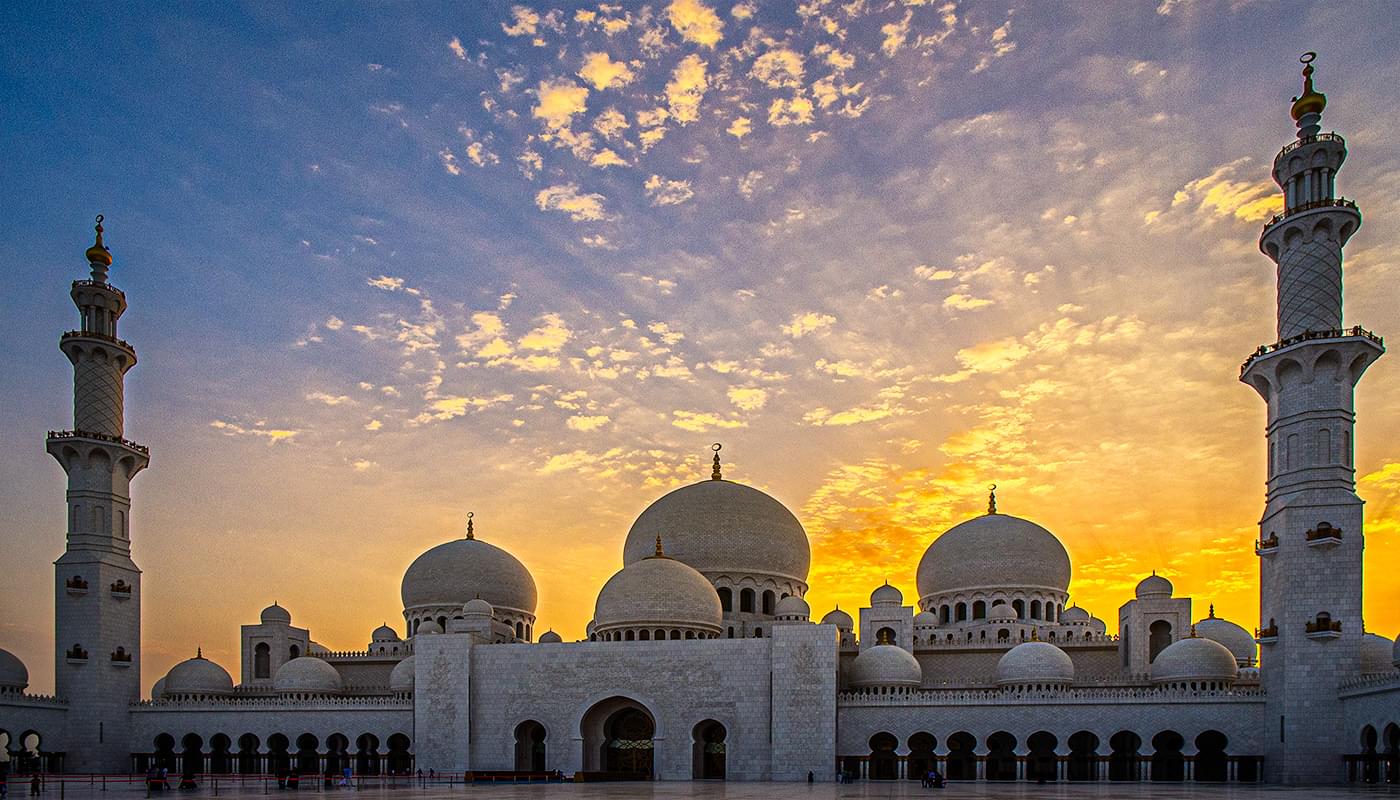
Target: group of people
158 779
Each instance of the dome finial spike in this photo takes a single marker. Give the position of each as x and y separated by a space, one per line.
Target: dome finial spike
992 499
659 552
98 256
715 473
471 533
199 652
1212 610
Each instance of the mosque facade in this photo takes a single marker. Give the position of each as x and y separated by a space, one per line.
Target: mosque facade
702 660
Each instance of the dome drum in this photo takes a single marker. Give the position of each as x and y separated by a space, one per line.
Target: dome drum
974 606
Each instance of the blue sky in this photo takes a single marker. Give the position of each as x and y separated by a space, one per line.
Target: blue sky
391 263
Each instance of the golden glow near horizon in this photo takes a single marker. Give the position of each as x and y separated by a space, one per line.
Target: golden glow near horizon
534 262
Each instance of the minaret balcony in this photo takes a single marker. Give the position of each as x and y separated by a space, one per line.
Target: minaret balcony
121 590
1324 629
122 343
76 655
1304 141
1267 635
1324 537
1330 202
1354 332
1266 547
75 586
59 436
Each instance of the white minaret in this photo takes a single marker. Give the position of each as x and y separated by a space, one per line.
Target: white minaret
97 587
1310 540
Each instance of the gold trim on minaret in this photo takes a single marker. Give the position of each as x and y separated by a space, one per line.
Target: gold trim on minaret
98 253
1310 101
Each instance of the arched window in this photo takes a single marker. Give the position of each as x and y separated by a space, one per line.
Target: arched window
520 630
979 609
262 661
885 636
944 614
646 635
726 598
1159 635
758 633
731 631
293 652
769 602
746 601
629 636
1035 609
1020 606
961 612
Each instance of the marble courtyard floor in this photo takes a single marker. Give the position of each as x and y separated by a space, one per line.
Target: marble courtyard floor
758 791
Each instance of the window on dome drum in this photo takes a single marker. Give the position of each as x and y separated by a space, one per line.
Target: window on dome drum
979 609
1159 635
944 613
675 634
961 612
769 600
1003 635
262 658
293 652
442 623
660 635
645 635
726 599
1035 609
1020 606
746 601
520 630
731 632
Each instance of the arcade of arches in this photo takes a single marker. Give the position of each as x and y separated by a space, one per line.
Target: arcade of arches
366 754
1001 757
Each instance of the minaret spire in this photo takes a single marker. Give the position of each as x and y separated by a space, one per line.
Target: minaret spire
1312 516
100 463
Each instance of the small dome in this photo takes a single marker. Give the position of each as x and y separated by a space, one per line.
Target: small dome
307 674
13 674
1153 585
1074 615
793 606
158 689
887 595
1001 612
925 619
197 676
1097 625
994 551
401 679
428 627
1035 662
719 526
589 628
476 607
384 633
550 637
454 572
276 615
1235 638
1377 654
885 665
840 619
1195 659
658 591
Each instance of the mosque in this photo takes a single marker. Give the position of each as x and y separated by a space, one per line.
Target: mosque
702 660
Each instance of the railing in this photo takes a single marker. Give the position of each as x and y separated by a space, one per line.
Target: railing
121 587
1270 632
1304 141
960 642
76 654
1262 545
99 285
393 701
1324 532
1331 333
1331 202
1325 626
95 335
77 584
991 696
101 437
124 657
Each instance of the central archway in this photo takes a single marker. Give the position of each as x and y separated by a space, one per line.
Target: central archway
884 764
709 750
618 736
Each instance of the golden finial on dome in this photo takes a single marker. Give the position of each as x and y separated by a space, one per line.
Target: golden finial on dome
992 499
715 473
98 253
471 534
659 552
1310 101
199 652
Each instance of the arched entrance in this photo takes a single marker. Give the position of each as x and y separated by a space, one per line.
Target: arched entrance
1001 757
367 754
249 763
278 762
1370 759
308 761
1159 635
191 754
618 737
1392 753
399 760
884 765
1083 756
1212 763
921 760
219 745
529 746
1042 764
1168 764
337 753
962 760
1123 760
164 752
708 750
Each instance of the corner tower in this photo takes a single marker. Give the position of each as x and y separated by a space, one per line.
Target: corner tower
97 587
1310 542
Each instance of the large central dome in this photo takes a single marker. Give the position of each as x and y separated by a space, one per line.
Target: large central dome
994 551
454 572
721 527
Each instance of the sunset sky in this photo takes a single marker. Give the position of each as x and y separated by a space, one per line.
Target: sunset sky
530 261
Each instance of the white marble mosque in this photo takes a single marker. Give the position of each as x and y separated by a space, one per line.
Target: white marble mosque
703 661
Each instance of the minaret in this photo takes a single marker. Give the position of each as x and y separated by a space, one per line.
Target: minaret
97 587
1310 540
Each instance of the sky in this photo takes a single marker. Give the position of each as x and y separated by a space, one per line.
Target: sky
388 264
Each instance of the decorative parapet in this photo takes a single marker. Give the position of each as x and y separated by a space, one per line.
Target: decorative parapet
101 437
22 699
1069 642
1068 694
1324 536
1304 141
280 702
1264 547
84 284
76 585
1370 684
1324 629
1334 333
1332 202
122 343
